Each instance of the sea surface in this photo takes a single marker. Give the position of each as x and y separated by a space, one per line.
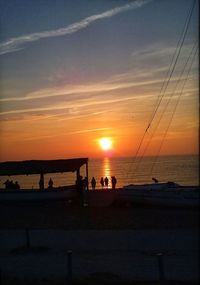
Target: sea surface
183 170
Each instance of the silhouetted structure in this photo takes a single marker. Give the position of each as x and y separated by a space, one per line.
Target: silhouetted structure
41 182
41 167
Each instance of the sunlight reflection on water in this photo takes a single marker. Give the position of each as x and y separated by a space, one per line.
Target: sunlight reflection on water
106 167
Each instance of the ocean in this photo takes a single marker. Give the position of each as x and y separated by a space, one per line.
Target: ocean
183 170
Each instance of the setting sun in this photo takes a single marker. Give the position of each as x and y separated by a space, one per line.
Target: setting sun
105 143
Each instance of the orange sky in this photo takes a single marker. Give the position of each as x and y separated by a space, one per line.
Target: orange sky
49 138
69 81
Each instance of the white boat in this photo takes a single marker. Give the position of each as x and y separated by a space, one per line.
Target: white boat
160 194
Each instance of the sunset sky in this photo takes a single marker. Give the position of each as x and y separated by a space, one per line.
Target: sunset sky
75 71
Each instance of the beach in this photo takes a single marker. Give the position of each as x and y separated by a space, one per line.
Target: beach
108 244
66 215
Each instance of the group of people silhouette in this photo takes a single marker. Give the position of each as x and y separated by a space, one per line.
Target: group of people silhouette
81 183
104 182
9 184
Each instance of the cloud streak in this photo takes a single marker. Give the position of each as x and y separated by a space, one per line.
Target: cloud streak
75 92
80 89
66 106
17 43
88 131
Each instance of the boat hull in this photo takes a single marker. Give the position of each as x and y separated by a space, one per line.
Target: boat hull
162 194
37 195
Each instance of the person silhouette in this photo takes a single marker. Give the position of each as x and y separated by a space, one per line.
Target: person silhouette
154 179
41 184
85 183
17 185
50 183
106 181
80 183
7 184
12 185
102 182
93 183
80 189
113 181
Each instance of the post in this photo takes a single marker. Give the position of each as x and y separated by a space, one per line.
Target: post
69 266
87 175
85 193
161 268
1 283
41 182
77 174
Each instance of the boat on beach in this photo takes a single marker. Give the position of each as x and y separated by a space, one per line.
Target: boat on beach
160 194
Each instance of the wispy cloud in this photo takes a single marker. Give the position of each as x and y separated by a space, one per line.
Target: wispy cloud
70 100
41 137
15 44
91 90
151 65
88 131
80 104
80 89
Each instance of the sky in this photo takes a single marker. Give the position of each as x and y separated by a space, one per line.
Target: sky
73 72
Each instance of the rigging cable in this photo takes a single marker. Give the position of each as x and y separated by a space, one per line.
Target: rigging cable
172 68
172 116
183 35
154 131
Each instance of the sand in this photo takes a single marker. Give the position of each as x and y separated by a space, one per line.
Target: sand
61 215
110 244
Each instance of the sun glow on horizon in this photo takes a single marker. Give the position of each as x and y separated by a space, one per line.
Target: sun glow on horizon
105 143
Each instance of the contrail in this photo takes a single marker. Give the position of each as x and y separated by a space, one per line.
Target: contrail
15 44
